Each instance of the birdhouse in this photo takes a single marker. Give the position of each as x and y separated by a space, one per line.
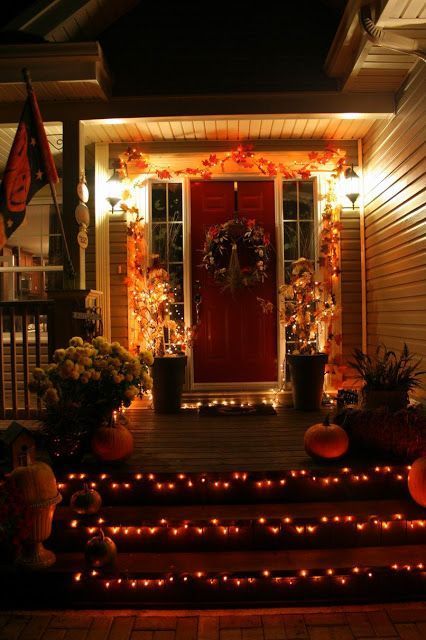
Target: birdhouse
16 443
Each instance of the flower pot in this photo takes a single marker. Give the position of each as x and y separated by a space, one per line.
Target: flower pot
33 555
394 399
307 378
168 379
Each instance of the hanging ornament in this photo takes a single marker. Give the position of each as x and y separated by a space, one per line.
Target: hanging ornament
82 214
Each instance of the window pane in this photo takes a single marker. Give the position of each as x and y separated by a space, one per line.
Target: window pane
159 207
175 242
290 200
290 241
176 281
159 241
287 272
175 202
306 200
307 240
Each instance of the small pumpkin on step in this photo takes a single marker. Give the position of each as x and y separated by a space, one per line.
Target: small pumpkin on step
86 501
326 440
100 551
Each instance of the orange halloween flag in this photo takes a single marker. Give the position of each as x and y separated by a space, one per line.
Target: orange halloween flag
29 167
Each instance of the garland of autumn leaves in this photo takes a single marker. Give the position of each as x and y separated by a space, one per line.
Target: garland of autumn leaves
245 157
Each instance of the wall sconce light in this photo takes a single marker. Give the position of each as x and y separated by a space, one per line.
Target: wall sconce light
114 186
351 185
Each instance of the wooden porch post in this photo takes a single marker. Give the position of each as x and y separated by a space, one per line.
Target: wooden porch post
102 233
73 166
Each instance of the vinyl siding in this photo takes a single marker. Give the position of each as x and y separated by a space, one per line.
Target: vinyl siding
351 282
395 222
118 272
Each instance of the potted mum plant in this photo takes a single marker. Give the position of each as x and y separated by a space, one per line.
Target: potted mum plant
388 378
302 311
83 387
166 339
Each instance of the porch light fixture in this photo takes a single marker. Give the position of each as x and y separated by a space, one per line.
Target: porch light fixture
351 185
114 187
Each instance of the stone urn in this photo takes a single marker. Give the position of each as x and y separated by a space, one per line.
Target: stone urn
36 484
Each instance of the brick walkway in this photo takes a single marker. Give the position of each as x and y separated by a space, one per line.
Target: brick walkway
404 621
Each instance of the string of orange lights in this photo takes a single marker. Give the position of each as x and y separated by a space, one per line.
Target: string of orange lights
339 575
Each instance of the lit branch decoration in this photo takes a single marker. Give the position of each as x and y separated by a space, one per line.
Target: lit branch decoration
329 263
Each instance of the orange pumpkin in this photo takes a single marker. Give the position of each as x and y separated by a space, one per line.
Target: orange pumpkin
35 483
417 481
326 440
112 442
86 502
100 551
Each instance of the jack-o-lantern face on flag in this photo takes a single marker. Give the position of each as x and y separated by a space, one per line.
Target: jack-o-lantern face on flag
29 168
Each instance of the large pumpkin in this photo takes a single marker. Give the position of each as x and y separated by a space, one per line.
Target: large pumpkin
38 491
417 481
112 442
86 502
35 483
100 551
326 440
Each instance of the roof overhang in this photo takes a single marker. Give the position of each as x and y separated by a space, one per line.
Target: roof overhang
287 105
59 71
358 63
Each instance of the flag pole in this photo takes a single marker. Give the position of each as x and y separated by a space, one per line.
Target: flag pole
69 266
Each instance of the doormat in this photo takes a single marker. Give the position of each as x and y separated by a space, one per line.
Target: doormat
237 410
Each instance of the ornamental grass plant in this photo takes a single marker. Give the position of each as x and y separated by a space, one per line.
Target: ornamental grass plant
387 371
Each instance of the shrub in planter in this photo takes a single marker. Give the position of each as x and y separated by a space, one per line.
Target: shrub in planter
82 387
304 310
388 378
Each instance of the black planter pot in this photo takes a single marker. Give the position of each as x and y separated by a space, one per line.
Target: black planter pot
168 379
307 378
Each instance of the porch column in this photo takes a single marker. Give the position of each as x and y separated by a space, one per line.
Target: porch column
73 166
102 234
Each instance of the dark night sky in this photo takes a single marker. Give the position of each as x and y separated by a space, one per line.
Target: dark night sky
173 47
221 47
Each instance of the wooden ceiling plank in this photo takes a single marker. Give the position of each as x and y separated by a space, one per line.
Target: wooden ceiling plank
155 130
413 9
254 133
287 129
232 129
277 127
243 129
265 129
145 133
166 130
311 125
321 128
210 126
188 129
199 130
299 128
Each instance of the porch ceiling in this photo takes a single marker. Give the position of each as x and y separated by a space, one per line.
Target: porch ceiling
54 136
135 130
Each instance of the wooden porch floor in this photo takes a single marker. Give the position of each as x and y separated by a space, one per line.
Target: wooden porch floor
189 442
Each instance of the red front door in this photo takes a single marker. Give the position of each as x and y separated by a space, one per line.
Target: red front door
236 341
